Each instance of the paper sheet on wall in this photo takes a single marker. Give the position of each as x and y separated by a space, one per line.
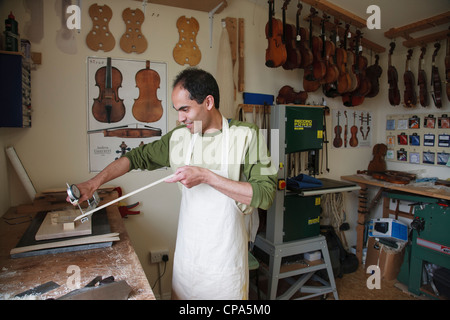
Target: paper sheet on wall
103 143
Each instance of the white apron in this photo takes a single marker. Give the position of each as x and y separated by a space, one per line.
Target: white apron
211 257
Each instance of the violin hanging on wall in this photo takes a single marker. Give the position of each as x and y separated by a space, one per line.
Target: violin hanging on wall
373 73
394 93
310 82
409 97
356 97
328 52
276 54
302 41
436 79
422 81
293 56
447 66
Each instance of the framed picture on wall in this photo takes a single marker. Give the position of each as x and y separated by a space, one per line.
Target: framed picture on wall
126 107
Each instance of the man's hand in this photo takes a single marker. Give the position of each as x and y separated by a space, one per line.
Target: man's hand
190 176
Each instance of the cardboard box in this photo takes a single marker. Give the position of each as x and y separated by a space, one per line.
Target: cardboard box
388 260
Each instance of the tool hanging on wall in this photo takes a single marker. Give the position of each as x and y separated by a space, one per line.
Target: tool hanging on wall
186 51
133 40
74 192
100 38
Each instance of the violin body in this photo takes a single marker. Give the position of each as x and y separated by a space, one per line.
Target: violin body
302 43
108 107
311 80
147 107
319 67
353 82
410 97
287 95
422 82
394 93
328 52
447 67
354 132
276 53
344 80
293 56
332 72
337 141
356 97
373 73
436 79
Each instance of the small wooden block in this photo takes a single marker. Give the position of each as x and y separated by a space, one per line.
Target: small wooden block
69 226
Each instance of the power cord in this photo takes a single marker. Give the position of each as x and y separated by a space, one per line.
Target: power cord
165 258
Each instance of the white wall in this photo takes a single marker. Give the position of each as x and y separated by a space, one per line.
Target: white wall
54 150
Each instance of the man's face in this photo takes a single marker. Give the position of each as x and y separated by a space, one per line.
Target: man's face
189 111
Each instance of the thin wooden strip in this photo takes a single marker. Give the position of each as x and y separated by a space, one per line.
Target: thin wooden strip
72 242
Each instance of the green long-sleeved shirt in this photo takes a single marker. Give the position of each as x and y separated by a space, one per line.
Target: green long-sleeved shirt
247 156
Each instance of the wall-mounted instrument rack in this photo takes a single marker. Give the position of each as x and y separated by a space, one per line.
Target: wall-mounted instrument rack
345 17
407 30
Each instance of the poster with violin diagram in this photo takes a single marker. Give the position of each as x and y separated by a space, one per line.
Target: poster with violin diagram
126 107
351 129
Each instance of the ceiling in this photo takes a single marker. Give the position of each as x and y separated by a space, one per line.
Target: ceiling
393 14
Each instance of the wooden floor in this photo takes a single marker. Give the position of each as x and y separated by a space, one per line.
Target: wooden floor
353 286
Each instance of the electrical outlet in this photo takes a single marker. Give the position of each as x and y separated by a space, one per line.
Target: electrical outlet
157 255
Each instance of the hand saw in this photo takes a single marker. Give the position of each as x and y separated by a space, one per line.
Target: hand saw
91 210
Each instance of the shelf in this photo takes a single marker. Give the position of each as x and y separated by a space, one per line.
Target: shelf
406 31
199 5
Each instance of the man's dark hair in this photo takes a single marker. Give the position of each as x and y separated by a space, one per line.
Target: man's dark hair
199 84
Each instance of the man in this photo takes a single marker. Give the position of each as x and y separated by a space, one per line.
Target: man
208 155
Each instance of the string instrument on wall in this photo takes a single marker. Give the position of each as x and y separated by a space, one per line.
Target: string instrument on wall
373 73
356 97
422 80
337 141
447 66
294 58
436 79
328 52
310 82
302 41
276 54
147 107
410 97
319 66
394 93
354 132
287 95
331 89
350 61
108 107
344 80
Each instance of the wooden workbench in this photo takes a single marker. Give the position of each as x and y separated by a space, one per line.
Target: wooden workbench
21 274
365 181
